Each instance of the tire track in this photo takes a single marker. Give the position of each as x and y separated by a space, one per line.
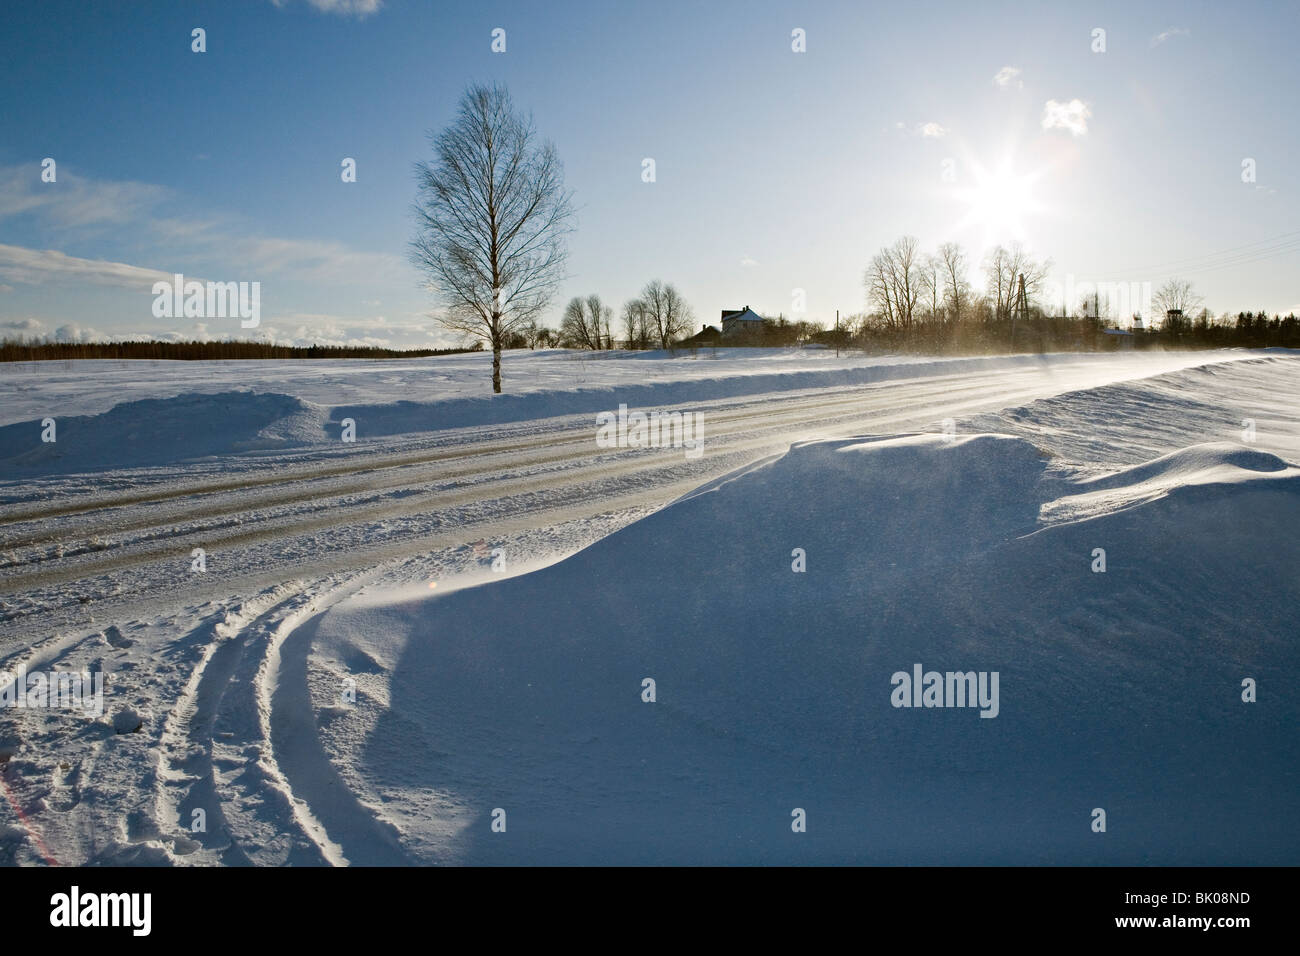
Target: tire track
188 774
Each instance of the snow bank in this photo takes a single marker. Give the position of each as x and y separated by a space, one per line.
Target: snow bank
160 431
774 688
116 414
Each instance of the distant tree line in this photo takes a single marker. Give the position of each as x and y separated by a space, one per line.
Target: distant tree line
30 351
925 303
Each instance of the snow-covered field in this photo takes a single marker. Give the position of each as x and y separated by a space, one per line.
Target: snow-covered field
400 644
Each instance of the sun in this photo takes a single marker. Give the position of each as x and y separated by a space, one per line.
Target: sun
997 191
999 200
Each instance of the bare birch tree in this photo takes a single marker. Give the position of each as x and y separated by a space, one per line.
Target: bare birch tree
492 213
667 314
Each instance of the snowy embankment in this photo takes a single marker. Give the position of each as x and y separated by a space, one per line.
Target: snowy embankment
1119 690
381 713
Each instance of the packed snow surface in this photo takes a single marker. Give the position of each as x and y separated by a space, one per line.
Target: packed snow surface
497 643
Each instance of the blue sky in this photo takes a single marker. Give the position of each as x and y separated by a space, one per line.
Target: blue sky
775 170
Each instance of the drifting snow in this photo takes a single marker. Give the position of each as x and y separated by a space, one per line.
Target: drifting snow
1119 690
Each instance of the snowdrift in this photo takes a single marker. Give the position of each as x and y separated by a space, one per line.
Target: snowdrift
160 431
1118 689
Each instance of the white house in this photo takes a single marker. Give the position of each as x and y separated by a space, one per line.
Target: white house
741 323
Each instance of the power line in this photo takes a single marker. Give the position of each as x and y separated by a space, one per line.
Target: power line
1248 260
1237 255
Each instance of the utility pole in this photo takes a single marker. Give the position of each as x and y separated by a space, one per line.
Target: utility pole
837 333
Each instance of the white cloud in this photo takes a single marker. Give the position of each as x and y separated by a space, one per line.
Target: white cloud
1160 38
1007 77
748 263
1072 116
37 266
358 8
316 260
929 130
76 333
73 200
24 325
205 246
81 208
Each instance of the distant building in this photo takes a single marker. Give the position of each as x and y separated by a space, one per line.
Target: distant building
708 335
741 323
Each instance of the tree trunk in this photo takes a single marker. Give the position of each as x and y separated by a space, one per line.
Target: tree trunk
496 367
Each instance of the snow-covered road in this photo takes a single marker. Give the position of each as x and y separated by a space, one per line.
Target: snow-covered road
119 543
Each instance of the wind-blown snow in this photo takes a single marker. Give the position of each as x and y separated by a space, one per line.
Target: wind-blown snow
1119 690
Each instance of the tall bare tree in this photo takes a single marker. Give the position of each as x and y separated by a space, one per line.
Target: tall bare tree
1002 270
1176 295
585 323
880 291
492 213
893 281
636 328
667 314
931 275
532 332
956 285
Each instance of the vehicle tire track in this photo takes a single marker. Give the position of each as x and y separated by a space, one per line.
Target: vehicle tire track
188 776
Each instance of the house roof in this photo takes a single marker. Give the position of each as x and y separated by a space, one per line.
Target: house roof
742 315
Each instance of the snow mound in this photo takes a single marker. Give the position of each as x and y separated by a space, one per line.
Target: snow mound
1200 464
772 610
157 431
1198 470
